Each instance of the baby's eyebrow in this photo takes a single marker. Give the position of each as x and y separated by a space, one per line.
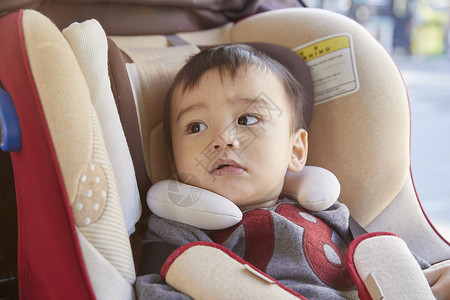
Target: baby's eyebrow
260 101
192 107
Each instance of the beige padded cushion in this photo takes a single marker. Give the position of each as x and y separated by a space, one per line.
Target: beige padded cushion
380 256
205 272
363 138
62 91
54 65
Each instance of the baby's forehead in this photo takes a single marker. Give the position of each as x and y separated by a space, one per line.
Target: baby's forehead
214 76
221 74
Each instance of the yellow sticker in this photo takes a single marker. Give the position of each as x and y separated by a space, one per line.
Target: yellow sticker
324 47
332 64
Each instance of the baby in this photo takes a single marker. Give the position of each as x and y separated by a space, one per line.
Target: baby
241 113
235 126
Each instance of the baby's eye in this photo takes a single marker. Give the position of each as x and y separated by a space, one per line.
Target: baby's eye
196 127
246 120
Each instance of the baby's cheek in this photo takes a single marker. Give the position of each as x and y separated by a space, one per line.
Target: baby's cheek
187 165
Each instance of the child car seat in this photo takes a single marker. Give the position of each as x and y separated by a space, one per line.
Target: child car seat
374 174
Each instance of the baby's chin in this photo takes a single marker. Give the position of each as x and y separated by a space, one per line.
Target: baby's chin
238 197
246 203
234 194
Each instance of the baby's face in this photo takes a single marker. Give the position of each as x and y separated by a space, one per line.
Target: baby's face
233 136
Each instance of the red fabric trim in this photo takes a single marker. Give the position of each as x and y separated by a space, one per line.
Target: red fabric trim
50 263
173 257
410 167
420 203
363 293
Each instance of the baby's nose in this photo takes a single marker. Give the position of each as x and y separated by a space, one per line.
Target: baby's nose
227 139
219 146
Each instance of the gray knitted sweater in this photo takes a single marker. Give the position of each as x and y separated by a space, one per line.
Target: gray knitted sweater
303 250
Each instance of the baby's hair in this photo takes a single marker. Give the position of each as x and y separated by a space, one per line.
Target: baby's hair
229 59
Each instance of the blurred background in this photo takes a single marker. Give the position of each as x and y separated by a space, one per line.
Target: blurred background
417 35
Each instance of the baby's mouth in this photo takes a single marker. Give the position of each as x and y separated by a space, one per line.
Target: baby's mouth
226 166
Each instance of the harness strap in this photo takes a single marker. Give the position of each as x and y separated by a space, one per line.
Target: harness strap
355 228
154 256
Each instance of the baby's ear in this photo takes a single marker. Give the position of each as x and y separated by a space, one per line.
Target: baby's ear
299 151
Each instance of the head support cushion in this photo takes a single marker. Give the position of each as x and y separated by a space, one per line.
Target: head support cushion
201 208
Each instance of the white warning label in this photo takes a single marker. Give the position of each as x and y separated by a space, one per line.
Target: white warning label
331 61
